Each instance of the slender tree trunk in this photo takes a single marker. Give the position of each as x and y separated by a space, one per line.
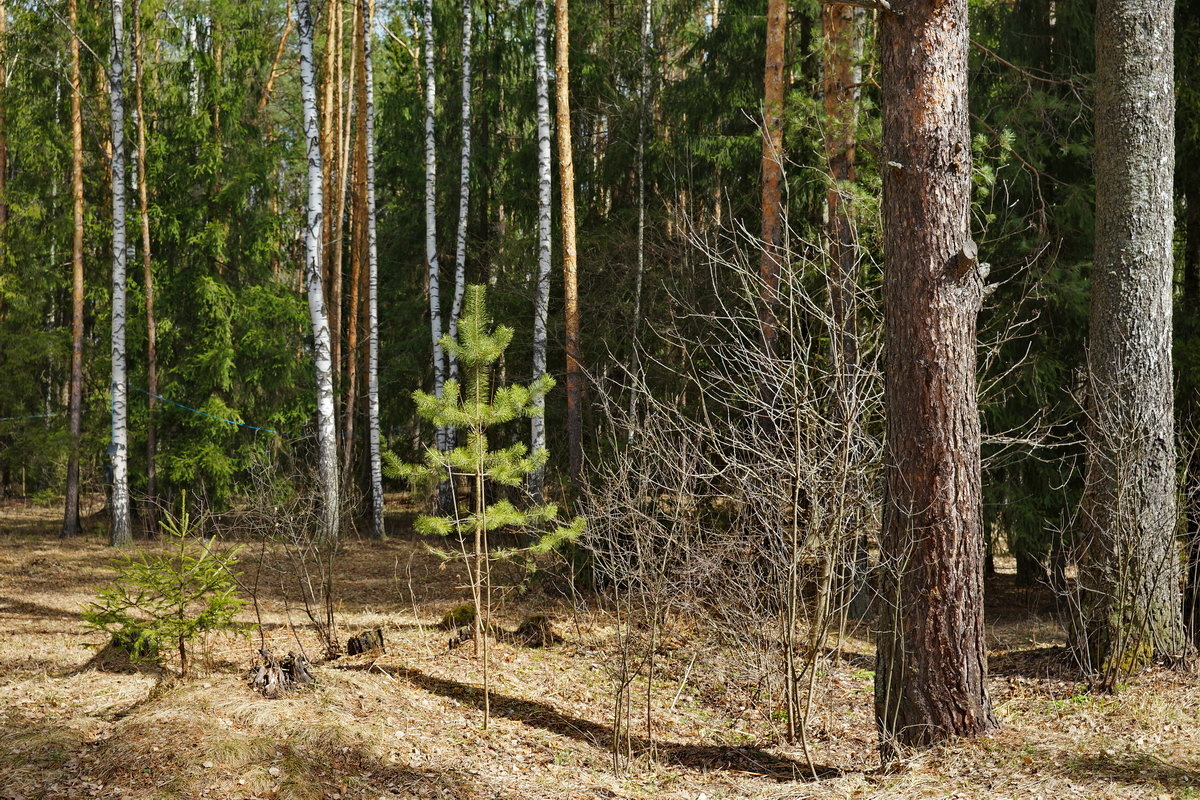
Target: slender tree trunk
1129 566
328 114
358 239
273 75
343 333
464 186
3 129
541 302
377 528
75 403
647 44
931 676
326 422
445 498
151 515
331 247
1191 493
841 76
566 183
122 534
772 166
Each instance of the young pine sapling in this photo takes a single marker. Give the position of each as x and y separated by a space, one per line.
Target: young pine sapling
475 407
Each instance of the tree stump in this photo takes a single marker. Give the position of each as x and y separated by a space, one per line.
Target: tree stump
276 676
365 642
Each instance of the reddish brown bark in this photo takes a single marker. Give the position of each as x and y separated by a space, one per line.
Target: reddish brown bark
566 173
274 74
358 247
931 679
75 403
839 86
772 165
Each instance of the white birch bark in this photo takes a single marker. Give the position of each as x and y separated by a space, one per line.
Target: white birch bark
431 257
372 290
122 534
464 186
541 303
326 433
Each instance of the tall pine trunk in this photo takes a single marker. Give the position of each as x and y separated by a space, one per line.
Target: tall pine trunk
326 423
344 335
151 516
1129 566
931 675
566 183
774 91
358 241
377 526
464 186
75 391
541 302
122 533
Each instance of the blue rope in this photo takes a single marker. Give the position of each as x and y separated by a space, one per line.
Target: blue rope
31 416
204 413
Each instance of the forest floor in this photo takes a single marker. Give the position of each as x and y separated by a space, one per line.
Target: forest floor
407 723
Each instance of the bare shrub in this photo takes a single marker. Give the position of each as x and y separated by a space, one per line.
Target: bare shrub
741 502
282 510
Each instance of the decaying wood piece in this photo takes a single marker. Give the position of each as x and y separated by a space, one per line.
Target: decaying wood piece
365 642
278 675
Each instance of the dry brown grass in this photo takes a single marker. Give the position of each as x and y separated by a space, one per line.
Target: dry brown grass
407 724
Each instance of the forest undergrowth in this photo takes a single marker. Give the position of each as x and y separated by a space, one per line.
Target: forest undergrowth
406 723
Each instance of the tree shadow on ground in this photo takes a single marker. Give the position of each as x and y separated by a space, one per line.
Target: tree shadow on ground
27 610
747 760
1139 770
49 758
1055 662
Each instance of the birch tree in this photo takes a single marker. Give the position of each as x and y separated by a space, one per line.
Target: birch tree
464 187
566 175
326 433
122 534
931 673
75 387
541 302
1129 570
368 111
431 254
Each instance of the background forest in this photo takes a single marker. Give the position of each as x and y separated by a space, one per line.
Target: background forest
224 178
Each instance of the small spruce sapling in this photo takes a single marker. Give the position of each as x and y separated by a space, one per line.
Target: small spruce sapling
474 406
168 597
